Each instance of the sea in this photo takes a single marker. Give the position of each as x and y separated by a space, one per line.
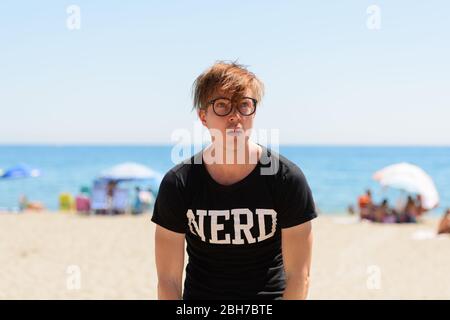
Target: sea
337 175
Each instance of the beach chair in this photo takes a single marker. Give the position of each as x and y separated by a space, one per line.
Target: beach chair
66 202
99 199
120 200
83 204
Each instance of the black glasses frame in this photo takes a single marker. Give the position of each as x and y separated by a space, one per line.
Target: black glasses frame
255 102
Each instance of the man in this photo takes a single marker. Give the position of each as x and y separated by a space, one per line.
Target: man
243 210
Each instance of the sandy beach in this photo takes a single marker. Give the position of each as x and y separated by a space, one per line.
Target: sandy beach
67 256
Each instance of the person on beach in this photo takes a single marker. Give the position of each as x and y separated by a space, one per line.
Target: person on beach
390 217
444 224
25 204
365 205
419 206
137 203
411 211
244 211
381 212
110 189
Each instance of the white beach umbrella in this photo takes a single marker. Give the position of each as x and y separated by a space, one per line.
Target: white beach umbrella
411 178
130 171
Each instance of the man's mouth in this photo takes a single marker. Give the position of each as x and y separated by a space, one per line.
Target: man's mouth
234 131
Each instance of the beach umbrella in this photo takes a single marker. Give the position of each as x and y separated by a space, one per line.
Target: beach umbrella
20 171
130 171
410 178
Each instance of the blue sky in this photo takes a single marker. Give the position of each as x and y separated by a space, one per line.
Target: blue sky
125 77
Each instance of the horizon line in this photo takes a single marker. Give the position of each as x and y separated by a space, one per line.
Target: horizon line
112 144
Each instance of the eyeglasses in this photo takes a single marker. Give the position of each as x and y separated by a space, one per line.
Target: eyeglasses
223 106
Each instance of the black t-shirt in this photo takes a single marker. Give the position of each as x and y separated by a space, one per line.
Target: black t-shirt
233 233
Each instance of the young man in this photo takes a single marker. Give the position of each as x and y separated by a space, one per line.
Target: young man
243 210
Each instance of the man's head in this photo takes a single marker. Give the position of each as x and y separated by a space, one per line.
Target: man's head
225 98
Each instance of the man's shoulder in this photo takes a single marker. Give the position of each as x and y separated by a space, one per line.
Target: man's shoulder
281 166
181 172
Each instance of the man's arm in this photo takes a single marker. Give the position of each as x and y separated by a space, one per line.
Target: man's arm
296 248
169 254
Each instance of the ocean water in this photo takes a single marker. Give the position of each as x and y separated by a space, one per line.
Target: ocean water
337 175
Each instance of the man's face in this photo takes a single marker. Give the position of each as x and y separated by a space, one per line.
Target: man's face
233 128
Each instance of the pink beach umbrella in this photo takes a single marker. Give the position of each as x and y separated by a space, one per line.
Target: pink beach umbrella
410 178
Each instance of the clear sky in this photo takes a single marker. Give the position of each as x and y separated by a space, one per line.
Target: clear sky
125 76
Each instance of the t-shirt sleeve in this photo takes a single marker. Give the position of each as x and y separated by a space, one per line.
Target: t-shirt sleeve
170 210
295 200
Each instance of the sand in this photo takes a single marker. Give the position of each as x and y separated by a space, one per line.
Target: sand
67 256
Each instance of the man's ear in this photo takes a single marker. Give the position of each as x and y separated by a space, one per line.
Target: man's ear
202 116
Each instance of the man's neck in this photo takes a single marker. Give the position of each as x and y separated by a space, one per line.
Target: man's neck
230 156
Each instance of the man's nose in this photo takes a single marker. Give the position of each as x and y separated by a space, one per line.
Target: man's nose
234 115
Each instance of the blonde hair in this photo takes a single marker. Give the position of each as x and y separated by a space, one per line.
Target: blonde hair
230 77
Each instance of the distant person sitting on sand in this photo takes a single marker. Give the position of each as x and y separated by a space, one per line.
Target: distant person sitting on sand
390 216
24 204
419 206
444 224
410 212
365 205
381 211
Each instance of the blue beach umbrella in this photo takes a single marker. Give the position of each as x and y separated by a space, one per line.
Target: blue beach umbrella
17 172
20 171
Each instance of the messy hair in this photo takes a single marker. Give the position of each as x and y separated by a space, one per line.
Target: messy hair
230 77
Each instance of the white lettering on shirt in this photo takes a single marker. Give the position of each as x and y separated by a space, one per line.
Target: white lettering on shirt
238 226
215 227
259 232
198 227
262 225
